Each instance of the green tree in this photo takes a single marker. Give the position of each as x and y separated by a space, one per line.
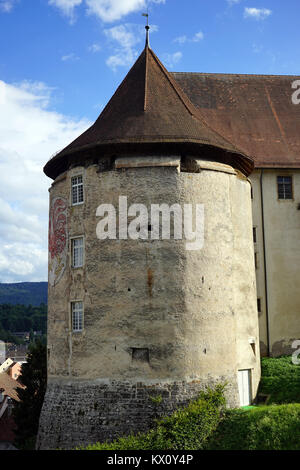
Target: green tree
27 411
31 336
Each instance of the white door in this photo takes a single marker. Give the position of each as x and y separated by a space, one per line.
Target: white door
244 383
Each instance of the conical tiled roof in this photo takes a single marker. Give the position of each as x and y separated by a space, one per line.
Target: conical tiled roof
149 112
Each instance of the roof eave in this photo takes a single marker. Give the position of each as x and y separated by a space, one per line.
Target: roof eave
62 161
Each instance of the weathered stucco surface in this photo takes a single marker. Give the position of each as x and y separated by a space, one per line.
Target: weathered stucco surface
282 225
195 311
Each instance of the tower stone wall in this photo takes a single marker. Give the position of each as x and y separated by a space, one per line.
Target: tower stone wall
158 319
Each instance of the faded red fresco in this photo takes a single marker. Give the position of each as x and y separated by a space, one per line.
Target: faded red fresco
57 227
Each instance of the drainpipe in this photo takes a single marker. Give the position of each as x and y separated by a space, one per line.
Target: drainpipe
265 264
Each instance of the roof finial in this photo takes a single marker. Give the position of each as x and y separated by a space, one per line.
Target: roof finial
147 27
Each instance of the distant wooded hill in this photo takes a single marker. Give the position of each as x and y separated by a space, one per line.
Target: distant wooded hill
25 293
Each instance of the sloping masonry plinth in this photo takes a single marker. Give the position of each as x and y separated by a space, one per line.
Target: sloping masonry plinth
81 413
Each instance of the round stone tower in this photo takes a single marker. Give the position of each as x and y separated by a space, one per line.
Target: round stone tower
151 266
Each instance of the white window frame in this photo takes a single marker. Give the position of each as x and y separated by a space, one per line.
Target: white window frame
77 316
284 185
77 186
73 239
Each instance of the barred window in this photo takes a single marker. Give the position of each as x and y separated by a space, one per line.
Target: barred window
77 316
284 187
77 252
77 190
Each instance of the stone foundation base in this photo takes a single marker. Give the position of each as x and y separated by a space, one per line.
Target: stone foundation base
77 413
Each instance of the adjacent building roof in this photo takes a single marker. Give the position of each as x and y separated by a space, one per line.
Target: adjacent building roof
254 112
150 111
9 386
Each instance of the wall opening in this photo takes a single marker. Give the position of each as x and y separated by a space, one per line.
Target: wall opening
140 354
244 384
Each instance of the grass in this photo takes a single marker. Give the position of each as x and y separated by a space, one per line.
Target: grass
281 380
270 427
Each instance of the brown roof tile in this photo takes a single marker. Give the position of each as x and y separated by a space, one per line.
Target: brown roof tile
255 112
150 108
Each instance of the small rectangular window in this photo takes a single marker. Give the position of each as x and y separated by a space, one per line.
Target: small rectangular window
140 354
254 235
256 260
259 305
284 187
77 190
77 316
77 252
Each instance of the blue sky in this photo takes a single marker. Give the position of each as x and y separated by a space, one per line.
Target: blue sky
61 60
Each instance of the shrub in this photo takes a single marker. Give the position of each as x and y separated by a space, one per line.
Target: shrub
275 427
27 411
186 429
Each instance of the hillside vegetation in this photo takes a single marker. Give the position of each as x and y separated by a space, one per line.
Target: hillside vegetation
16 318
25 293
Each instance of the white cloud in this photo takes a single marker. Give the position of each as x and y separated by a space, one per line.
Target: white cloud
94 47
126 36
122 35
257 13
153 28
7 5
29 134
181 39
113 10
196 38
67 7
107 10
123 39
123 58
70 57
171 59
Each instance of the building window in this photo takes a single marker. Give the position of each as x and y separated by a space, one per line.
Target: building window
254 235
284 187
77 190
256 260
77 316
140 354
77 252
259 305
